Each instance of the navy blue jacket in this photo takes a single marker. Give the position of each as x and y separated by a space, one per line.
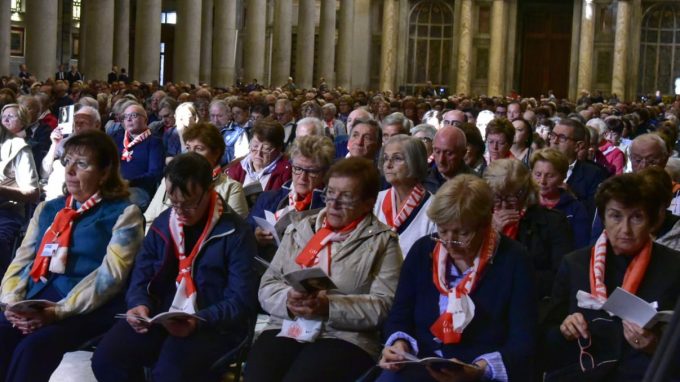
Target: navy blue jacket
577 215
505 309
583 182
222 272
145 170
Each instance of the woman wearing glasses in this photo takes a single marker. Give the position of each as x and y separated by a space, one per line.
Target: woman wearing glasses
330 335
266 162
18 178
546 234
500 135
580 333
204 139
403 206
466 293
78 253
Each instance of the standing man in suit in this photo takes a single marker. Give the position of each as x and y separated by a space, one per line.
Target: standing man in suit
61 73
113 75
74 75
583 177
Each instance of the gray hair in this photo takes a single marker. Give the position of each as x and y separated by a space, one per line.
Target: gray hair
651 138
428 129
398 119
330 106
88 101
91 111
414 152
318 124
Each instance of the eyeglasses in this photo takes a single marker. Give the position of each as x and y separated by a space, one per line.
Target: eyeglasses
509 200
183 207
396 159
81 164
647 161
264 149
447 122
585 358
130 116
312 173
559 138
464 239
342 200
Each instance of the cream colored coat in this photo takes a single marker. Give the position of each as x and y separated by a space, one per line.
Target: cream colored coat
365 267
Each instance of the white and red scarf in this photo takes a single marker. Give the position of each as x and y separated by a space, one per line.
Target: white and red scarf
185 297
309 256
295 203
631 280
460 309
53 251
395 219
127 144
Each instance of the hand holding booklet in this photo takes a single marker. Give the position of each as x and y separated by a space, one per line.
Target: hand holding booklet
435 363
161 317
309 280
27 306
630 307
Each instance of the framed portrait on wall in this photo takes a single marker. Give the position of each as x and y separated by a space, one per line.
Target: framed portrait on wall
16 41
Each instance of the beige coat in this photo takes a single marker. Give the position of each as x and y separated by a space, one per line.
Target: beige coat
365 267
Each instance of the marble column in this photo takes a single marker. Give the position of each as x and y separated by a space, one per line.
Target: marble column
345 32
5 28
304 64
99 54
283 32
121 34
206 42
187 54
224 43
496 50
465 48
147 41
327 42
388 51
254 44
621 42
585 60
41 38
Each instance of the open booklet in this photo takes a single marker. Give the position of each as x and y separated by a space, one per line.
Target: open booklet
434 363
161 317
27 306
309 280
630 307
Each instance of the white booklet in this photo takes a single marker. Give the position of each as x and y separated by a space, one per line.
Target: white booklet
27 306
630 307
268 224
160 317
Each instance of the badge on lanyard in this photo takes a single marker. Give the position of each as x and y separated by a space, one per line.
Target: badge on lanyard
49 250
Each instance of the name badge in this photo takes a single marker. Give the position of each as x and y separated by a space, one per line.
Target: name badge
49 250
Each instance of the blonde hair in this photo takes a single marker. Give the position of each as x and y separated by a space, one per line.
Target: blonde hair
465 198
553 156
316 147
510 176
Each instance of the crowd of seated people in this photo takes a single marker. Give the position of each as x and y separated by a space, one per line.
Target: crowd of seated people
486 229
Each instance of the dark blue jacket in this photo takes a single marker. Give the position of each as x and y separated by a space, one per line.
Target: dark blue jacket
505 309
274 200
583 182
222 272
577 215
145 170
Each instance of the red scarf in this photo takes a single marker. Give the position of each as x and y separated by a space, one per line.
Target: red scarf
53 251
294 203
512 229
127 145
216 172
444 328
177 233
634 274
309 256
394 219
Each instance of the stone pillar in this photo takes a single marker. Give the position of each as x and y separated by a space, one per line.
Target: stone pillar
585 59
147 41
254 44
187 42
283 32
99 54
64 50
465 48
621 42
41 38
224 43
327 43
304 65
496 50
388 51
121 34
5 28
206 42
361 45
346 29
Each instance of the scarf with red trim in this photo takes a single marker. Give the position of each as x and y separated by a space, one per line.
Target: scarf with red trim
394 219
127 144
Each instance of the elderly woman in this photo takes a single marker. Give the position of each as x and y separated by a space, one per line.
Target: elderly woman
185 116
310 158
265 164
77 253
521 145
426 134
549 169
472 279
205 139
581 334
362 258
500 134
403 206
18 178
545 233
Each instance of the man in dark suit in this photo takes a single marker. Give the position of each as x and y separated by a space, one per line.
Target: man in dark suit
60 74
583 177
113 75
448 148
74 75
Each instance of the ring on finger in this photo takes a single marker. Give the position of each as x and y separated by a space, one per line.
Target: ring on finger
637 341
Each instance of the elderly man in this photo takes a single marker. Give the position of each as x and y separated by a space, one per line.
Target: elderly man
37 133
365 139
310 126
154 105
448 148
583 177
453 118
334 125
141 155
234 132
395 124
283 111
86 118
341 148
